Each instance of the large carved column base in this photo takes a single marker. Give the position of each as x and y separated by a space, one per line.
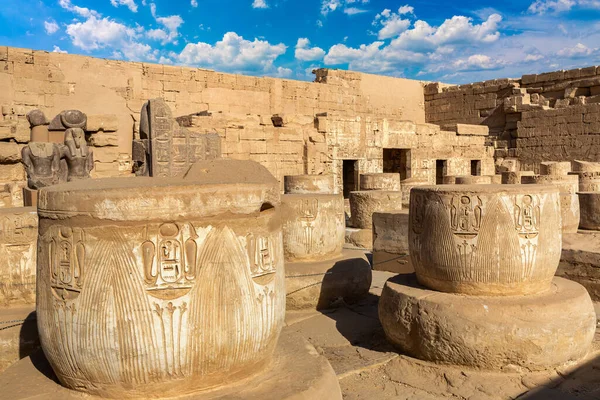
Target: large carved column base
534 332
297 372
321 284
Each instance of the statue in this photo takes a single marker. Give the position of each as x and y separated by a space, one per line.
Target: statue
42 162
79 157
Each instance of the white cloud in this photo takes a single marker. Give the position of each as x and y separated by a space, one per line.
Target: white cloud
392 24
165 60
533 57
51 27
58 50
557 6
171 25
82 11
194 3
328 6
354 10
99 33
476 62
305 53
578 51
233 54
456 30
406 9
259 4
129 3
282 72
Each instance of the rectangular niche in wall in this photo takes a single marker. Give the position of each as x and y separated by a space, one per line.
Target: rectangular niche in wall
397 161
350 176
441 169
475 167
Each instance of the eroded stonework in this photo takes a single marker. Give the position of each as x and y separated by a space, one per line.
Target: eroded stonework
485 239
18 235
201 289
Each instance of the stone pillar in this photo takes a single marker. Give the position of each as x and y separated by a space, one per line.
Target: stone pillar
304 184
555 167
407 184
318 270
590 210
160 287
390 242
569 201
382 181
514 177
484 288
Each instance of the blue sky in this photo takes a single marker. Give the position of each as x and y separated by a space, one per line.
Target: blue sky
450 41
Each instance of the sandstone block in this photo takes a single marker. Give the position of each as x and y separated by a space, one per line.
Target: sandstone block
380 181
390 242
103 139
485 239
533 332
364 203
104 123
515 177
10 152
555 167
308 184
589 204
473 180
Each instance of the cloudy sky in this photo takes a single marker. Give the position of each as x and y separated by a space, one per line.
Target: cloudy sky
451 41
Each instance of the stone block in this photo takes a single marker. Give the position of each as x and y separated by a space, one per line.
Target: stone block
102 139
10 152
427 129
12 172
104 123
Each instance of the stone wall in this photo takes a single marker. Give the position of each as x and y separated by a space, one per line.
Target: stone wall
546 117
54 82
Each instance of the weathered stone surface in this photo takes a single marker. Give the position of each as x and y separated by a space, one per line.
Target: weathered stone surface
473 180
588 181
18 338
163 148
406 186
589 204
555 167
585 166
380 181
194 266
485 239
323 284
514 177
10 152
305 184
533 332
297 372
364 203
580 261
79 158
18 249
569 201
36 117
104 123
313 226
359 238
68 119
390 242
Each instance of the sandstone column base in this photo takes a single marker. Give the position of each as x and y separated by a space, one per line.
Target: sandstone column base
533 332
361 238
18 334
297 372
319 284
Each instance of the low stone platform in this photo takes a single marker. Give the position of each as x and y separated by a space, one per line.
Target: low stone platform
359 238
580 260
368 367
297 372
533 332
320 284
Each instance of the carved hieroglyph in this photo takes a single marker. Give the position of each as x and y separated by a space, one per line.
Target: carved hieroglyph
18 236
485 239
313 226
382 181
306 184
166 149
168 289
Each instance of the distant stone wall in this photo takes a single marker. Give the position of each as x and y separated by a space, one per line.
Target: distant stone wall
54 82
546 117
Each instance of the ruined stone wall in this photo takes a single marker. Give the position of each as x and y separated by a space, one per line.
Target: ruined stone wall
546 117
54 82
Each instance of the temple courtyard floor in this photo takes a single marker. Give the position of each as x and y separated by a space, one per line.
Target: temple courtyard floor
368 367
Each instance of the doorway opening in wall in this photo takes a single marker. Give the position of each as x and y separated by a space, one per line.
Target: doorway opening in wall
475 167
397 161
350 176
441 167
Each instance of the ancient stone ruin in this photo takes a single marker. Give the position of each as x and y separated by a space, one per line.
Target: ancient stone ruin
191 234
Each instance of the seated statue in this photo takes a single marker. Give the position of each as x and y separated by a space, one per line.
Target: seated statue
42 163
